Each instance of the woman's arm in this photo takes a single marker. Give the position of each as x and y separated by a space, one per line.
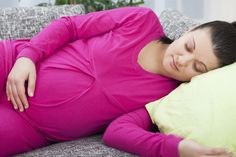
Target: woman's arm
132 133
71 28
68 29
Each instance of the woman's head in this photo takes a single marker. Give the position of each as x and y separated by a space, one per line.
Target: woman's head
204 48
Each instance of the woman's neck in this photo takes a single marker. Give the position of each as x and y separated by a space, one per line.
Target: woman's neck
151 56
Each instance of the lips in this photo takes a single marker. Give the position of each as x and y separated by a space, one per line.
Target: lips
173 64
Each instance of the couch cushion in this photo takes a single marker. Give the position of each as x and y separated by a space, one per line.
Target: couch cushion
175 23
85 147
25 22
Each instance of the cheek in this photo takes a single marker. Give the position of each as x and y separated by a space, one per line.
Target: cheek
168 58
173 50
170 49
187 74
166 63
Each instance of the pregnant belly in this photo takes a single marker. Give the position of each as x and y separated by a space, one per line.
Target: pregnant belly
59 88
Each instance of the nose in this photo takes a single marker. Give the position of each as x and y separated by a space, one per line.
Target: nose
184 60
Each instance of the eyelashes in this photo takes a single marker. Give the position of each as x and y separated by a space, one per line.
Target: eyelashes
195 67
198 67
188 47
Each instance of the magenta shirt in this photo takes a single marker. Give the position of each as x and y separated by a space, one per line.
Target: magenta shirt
87 72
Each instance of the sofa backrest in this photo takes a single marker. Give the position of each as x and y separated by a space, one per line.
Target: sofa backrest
25 22
175 24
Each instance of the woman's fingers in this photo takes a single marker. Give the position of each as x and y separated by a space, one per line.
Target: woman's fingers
10 96
17 98
7 91
31 84
16 93
22 96
220 155
215 151
22 71
189 148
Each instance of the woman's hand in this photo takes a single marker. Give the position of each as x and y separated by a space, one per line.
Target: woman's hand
188 148
22 72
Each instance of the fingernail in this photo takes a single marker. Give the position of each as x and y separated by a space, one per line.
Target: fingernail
26 106
31 94
15 107
21 110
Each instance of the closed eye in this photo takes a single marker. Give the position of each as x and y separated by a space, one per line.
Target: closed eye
187 47
190 45
199 67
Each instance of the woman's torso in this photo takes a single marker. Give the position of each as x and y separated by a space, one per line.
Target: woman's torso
95 79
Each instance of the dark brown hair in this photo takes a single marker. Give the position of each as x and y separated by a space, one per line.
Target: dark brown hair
223 37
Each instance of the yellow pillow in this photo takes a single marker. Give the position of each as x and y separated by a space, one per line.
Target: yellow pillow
203 110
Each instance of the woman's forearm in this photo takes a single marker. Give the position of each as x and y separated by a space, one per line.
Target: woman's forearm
52 37
132 133
71 28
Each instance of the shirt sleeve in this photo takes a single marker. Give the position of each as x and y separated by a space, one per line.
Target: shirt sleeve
132 133
71 28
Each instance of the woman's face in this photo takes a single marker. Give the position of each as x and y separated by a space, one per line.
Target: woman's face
190 55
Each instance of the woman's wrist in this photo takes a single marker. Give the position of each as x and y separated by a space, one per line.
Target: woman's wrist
172 146
31 54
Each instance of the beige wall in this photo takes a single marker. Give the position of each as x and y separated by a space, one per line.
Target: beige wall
220 9
22 3
202 10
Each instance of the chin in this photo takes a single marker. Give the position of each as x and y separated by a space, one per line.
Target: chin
184 79
181 79
178 79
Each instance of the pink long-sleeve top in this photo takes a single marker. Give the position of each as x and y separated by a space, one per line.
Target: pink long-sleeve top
134 132
88 75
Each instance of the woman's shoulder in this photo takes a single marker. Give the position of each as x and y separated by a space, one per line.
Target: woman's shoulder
141 13
139 8
136 9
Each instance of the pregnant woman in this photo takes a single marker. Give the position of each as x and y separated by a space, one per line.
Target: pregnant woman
81 72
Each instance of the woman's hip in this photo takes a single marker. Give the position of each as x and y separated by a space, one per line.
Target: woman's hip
73 118
7 60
